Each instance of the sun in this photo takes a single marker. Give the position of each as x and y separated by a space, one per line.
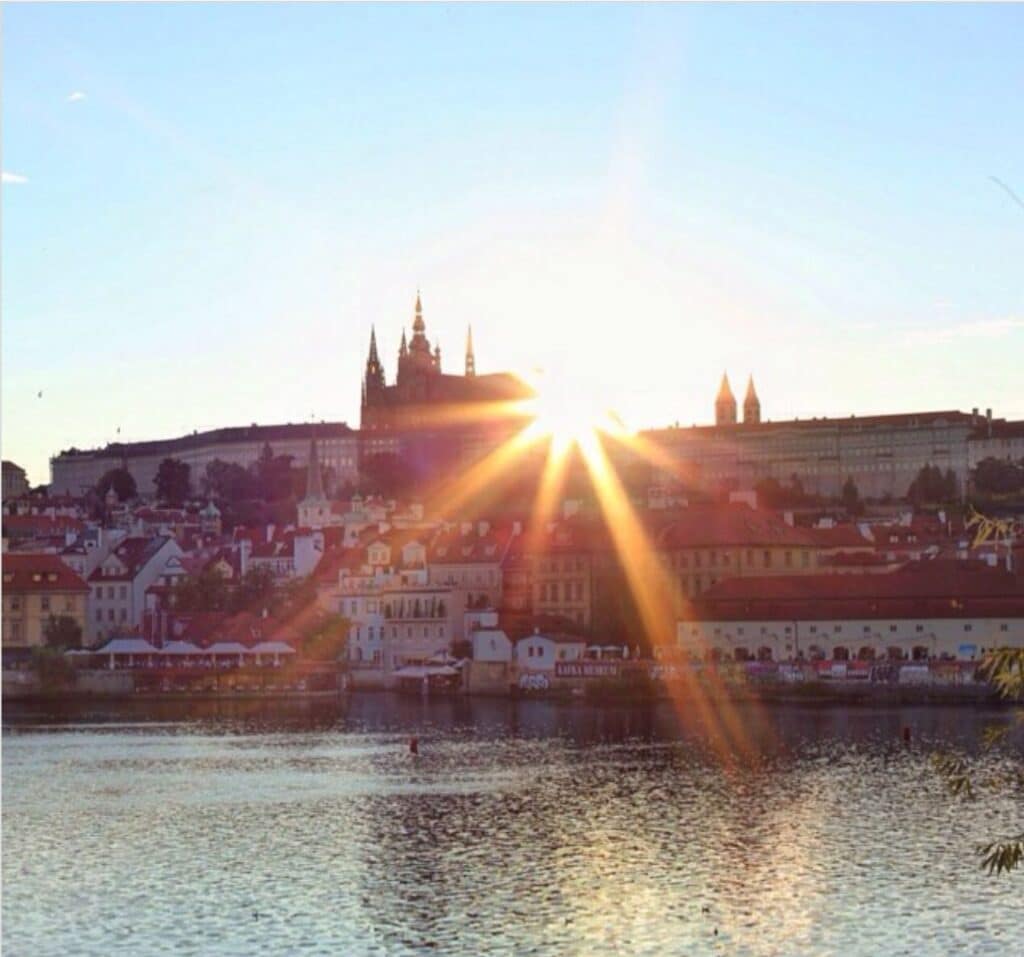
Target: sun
567 412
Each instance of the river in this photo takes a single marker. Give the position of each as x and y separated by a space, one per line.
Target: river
527 827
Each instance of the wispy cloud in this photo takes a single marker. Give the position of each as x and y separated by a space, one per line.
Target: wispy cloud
14 177
975 329
76 96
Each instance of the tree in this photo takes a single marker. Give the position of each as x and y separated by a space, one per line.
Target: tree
993 476
207 591
62 633
931 486
851 497
256 589
326 638
228 482
173 481
1005 669
384 473
121 481
273 474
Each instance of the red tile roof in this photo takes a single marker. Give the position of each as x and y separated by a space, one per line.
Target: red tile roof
135 553
30 573
730 526
939 589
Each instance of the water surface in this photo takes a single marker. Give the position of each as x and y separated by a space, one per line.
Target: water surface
529 827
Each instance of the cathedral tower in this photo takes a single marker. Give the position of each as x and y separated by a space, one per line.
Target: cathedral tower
751 405
725 404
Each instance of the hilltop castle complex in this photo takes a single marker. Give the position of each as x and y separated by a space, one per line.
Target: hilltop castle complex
438 421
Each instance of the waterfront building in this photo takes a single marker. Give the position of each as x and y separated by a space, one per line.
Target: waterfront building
36 587
539 654
467 559
118 585
928 609
397 617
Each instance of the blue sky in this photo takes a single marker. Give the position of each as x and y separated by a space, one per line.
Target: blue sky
632 197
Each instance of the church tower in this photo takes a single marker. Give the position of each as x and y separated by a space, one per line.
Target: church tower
373 381
314 509
725 404
751 405
470 358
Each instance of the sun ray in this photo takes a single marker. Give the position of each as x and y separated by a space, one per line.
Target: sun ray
648 583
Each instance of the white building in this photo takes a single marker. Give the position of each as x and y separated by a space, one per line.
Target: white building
117 586
540 653
929 609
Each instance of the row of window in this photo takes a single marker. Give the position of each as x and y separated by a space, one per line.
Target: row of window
380 632
566 565
837 629
725 559
571 591
46 603
122 592
110 614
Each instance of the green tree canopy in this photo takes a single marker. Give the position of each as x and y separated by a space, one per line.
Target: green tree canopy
207 591
228 482
998 477
173 481
931 486
62 633
121 481
851 497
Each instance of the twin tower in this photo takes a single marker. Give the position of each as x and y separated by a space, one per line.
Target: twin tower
725 404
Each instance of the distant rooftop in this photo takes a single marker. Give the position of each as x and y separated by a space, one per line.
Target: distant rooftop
232 434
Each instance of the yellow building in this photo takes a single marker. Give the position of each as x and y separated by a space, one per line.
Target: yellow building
36 588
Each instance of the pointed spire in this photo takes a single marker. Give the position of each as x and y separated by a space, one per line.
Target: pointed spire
724 390
373 345
725 404
314 480
470 358
418 325
374 378
751 404
403 348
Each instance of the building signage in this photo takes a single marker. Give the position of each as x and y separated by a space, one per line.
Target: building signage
587 669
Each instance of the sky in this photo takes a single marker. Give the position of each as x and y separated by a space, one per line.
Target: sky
205 208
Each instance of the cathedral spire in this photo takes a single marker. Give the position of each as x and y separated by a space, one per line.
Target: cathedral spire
402 348
470 358
314 480
374 378
751 404
725 404
373 344
418 325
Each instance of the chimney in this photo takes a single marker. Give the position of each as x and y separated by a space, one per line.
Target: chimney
988 420
974 417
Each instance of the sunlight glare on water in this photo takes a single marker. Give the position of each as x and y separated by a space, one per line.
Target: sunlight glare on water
530 827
